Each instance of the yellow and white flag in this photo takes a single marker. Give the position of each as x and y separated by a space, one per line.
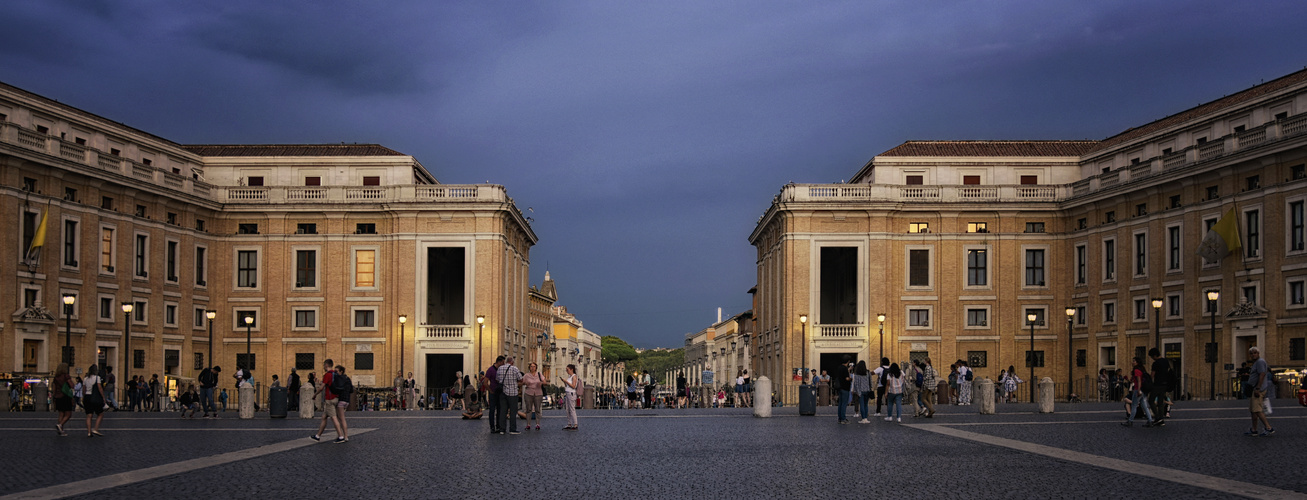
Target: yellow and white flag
1221 239
38 240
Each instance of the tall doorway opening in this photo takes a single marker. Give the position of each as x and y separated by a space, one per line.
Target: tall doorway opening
829 360
445 286
441 369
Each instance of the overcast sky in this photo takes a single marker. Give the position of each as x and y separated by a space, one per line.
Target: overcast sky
646 136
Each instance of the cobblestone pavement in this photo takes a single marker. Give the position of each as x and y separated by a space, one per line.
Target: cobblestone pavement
1079 452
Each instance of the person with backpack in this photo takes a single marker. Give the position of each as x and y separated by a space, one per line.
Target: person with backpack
894 387
929 380
1140 385
63 397
912 386
329 403
965 377
1162 374
343 387
880 383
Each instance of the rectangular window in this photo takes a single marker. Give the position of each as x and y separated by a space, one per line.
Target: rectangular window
254 181
138 359
1034 227
1213 192
977 317
1110 216
106 203
1296 293
977 359
306 229
1141 254
1080 315
305 361
919 268
200 316
172 261
365 228
140 210
201 258
362 361
839 286
970 180
1298 172
246 360
365 268
171 218
371 180
1141 209
139 312
977 267
141 254
1109 312
1039 317
1107 355
1080 264
170 314
1173 248
977 227
1080 358
1253 182
1297 349
247 269
919 227
312 181
106 250
1082 223
1175 201
1029 179
1296 226
918 317
199 225
199 361
365 318
1250 294
70 243
915 180
1253 230
306 318
1173 306
306 268
241 315
1037 356
247 229
1035 268
1141 309
106 308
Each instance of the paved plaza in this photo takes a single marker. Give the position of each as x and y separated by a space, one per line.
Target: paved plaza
1079 452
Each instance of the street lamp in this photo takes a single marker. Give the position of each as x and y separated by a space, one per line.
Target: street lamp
1030 355
127 338
1212 295
880 318
481 335
403 318
211 315
249 327
1157 324
1070 313
68 328
803 352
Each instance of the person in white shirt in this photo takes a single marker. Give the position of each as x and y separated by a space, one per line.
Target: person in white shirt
964 383
880 383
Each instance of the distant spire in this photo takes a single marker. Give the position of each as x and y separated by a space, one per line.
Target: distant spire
547 278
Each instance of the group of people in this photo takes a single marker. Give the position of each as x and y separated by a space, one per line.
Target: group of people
89 392
913 383
504 386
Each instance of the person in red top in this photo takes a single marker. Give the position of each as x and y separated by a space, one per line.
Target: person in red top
329 402
1137 396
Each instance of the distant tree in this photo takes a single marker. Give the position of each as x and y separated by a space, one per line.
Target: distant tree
616 350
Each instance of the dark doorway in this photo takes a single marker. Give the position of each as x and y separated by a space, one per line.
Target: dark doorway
830 359
441 369
839 286
445 286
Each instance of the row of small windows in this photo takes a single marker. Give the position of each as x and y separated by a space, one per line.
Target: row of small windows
973 227
919 268
307 228
107 203
258 181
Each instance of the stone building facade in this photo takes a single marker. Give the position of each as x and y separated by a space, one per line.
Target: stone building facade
322 247
956 243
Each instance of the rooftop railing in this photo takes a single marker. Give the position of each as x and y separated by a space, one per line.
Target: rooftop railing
356 194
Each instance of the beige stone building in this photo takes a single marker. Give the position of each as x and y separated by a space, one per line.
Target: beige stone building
956 243
322 247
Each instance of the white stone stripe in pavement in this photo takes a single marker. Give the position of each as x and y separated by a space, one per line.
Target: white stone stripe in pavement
130 477
74 432
1223 485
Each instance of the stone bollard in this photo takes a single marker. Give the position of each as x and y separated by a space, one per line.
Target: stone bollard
247 402
41 397
761 392
306 401
942 396
983 393
1046 395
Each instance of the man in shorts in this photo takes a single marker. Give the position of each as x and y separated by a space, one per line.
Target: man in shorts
1260 380
329 403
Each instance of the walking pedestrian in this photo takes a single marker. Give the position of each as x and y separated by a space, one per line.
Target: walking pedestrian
78 392
965 377
910 388
570 384
410 392
841 381
894 391
1138 394
682 394
533 393
329 399
293 391
152 398
1161 385
95 401
509 377
1104 390
208 380
862 387
1260 387
929 380
1010 384
492 376
63 397
398 386
317 395
748 390
633 390
110 387
880 384
953 384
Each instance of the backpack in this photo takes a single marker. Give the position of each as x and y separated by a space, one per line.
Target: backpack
970 375
920 378
341 386
1146 381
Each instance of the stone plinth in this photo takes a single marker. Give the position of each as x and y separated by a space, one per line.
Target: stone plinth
306 401
1046 395
983 395
762 397
247 402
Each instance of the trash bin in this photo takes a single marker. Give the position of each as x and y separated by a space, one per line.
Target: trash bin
277 402
807 400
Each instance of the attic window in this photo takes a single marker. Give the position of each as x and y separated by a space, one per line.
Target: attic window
254 181
970 179
915 180
372 180
312 181
1029 179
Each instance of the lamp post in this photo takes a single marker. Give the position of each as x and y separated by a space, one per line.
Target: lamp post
1157 324
68 328
1212 295
403 318
1030 355
481 335
880 318
249 327
803 350
127 338
211 315
1070 348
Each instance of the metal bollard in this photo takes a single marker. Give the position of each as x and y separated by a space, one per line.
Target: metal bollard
306 401
1046 395
247 402
761 392
983 392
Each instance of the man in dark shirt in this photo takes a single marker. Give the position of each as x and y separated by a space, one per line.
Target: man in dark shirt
839 382
680 391
293 391
492 375
1161 384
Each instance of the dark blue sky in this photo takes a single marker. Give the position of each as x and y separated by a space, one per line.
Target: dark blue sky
647 136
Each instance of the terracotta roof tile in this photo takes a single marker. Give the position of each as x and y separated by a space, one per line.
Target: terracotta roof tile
1195 112
291 150
991 148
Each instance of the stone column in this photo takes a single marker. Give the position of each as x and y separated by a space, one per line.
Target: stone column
983 395
247 402
762 392
1046 395
306 401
